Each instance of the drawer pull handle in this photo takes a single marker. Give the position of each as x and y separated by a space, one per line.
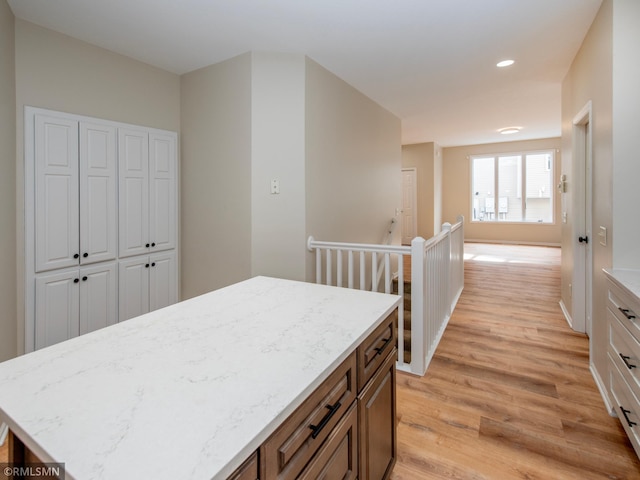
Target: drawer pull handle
323 423
381 349
624 412
624 359
625 312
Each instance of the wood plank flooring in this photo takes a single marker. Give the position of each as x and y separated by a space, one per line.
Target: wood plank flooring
509 394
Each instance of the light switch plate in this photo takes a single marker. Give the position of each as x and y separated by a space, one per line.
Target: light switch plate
602 233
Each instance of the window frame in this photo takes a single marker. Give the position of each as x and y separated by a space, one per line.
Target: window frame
522 176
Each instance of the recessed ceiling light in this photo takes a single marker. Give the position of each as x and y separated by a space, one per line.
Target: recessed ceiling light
509 130
505 63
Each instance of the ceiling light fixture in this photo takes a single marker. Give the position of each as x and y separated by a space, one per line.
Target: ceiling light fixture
505 63
509 130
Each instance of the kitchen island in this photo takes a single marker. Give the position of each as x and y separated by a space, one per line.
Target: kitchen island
195 389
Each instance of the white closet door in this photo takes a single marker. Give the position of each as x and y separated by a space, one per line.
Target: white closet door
98 187
163 289
162 190
133 287
57 307
133 161
56 193
98 297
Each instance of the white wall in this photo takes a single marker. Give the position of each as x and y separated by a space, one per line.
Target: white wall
278 152
8 318
353 168
216 176
57 72
626 141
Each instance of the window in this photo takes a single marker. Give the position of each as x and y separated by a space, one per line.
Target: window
522 182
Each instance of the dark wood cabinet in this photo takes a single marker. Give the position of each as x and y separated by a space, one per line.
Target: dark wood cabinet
248 470
377 422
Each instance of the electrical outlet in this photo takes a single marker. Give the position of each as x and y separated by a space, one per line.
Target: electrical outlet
275 186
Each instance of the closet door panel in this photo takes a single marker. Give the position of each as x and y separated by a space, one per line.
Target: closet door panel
133 161
98 193
56 193
98 297
163 187
163 289
133 287
57 308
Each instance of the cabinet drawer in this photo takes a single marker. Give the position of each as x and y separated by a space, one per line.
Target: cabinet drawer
285 454
338 457
627 406
374 350
625 308
624 351
248 470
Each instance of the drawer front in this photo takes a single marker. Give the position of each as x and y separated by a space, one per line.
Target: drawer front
625 307
248 470
626 405
285 454
338 457
624 351
374 350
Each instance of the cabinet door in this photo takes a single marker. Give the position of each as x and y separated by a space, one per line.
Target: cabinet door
133 287
98 297
56 193
377 422
162 191
98 187
163 289
57 307
133 162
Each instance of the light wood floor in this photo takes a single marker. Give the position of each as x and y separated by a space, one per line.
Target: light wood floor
509 394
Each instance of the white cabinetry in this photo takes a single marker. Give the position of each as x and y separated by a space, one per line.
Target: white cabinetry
95 192
148 184
147 283
76 301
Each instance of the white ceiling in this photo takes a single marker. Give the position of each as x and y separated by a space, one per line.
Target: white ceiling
430 62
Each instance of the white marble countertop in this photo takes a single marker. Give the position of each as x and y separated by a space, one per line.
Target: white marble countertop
189 391
626 278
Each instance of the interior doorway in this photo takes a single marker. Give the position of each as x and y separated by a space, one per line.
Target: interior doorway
583 229
409 205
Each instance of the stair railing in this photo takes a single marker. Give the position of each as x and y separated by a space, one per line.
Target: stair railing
437 280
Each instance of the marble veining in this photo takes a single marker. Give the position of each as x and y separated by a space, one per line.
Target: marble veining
628 279
188 391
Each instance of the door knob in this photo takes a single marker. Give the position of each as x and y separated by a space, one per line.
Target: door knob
85 255
584 239
84 279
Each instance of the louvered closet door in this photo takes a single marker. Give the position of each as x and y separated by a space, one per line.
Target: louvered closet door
162 190
56 193
133 162
98 193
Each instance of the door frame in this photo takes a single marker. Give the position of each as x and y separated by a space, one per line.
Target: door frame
582 145
414 194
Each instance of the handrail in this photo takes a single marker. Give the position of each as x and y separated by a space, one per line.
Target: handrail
437 280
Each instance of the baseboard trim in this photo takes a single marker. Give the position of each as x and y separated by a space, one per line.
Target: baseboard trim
512 242
603 390
567 315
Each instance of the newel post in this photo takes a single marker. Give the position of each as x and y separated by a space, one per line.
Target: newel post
418 307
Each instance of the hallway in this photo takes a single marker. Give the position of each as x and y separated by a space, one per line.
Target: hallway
509 394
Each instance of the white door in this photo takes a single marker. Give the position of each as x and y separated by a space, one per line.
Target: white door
56 193
133 162
98 297
162 191
409 205
162 280
133 287
57 307
98 187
